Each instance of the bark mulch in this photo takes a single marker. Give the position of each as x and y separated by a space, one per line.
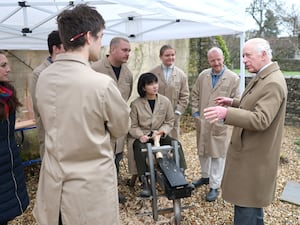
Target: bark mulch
199 211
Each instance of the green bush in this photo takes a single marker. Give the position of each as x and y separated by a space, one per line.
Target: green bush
297 142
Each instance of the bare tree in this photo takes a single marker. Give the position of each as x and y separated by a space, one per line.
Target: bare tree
271 15
262 11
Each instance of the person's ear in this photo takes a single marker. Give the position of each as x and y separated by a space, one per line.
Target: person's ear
89 37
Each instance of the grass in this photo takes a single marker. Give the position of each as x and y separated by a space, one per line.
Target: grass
297 142
286 73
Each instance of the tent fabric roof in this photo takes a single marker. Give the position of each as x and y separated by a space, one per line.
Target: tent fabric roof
25 25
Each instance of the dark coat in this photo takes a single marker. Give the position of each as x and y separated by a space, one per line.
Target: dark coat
13 193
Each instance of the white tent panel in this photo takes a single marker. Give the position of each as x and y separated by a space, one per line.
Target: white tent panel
26 24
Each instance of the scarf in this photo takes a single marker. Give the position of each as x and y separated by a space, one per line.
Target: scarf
5 94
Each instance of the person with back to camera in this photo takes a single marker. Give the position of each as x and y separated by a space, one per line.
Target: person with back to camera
114 65
13 193
82 112
151 114
252 160
173 83
55 47
212 139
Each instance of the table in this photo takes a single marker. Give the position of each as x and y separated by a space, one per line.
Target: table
22 126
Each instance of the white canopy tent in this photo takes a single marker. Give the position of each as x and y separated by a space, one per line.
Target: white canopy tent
25 25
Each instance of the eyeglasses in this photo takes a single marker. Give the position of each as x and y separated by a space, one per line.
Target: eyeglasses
77 36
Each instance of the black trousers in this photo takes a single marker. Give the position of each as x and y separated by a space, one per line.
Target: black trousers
140 157
118 158
59 219
4 223
248 216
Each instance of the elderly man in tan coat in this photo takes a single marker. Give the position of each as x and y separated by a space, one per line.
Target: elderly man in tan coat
82 111
249 180
212 139
114 65
173 83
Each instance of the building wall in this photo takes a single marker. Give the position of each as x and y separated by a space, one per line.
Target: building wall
293 104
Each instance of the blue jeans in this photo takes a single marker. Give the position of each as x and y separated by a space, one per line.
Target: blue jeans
248 216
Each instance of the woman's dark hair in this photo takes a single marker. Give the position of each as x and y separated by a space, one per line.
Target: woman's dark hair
145 78
13 101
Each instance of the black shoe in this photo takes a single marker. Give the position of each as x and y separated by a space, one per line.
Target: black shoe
146 192
200 182
212 195
122 198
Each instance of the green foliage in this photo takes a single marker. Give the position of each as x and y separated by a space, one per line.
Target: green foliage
222 45
297 142
198 55
270 25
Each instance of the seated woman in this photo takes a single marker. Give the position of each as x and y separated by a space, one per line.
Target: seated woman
151 114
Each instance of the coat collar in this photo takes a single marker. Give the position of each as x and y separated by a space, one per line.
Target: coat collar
157 103
261 75
72 57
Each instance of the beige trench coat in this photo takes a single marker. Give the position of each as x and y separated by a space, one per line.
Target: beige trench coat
81 111
39 125
253 156
212 139
143 121
124 83
176 89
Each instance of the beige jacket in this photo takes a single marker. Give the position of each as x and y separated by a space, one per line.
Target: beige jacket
82 111
124 83
40 128
176 89
143 121
212 139
253 156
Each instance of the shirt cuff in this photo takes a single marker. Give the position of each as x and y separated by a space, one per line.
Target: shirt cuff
178 113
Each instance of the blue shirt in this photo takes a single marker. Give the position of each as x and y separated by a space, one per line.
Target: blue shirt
167 71
216 77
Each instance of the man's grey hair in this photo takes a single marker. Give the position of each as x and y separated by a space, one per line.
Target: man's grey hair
215 49
263 45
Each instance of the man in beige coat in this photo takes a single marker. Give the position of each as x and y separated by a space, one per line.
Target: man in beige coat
212 139
114 65
252 160
82 111
173 83
55 47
